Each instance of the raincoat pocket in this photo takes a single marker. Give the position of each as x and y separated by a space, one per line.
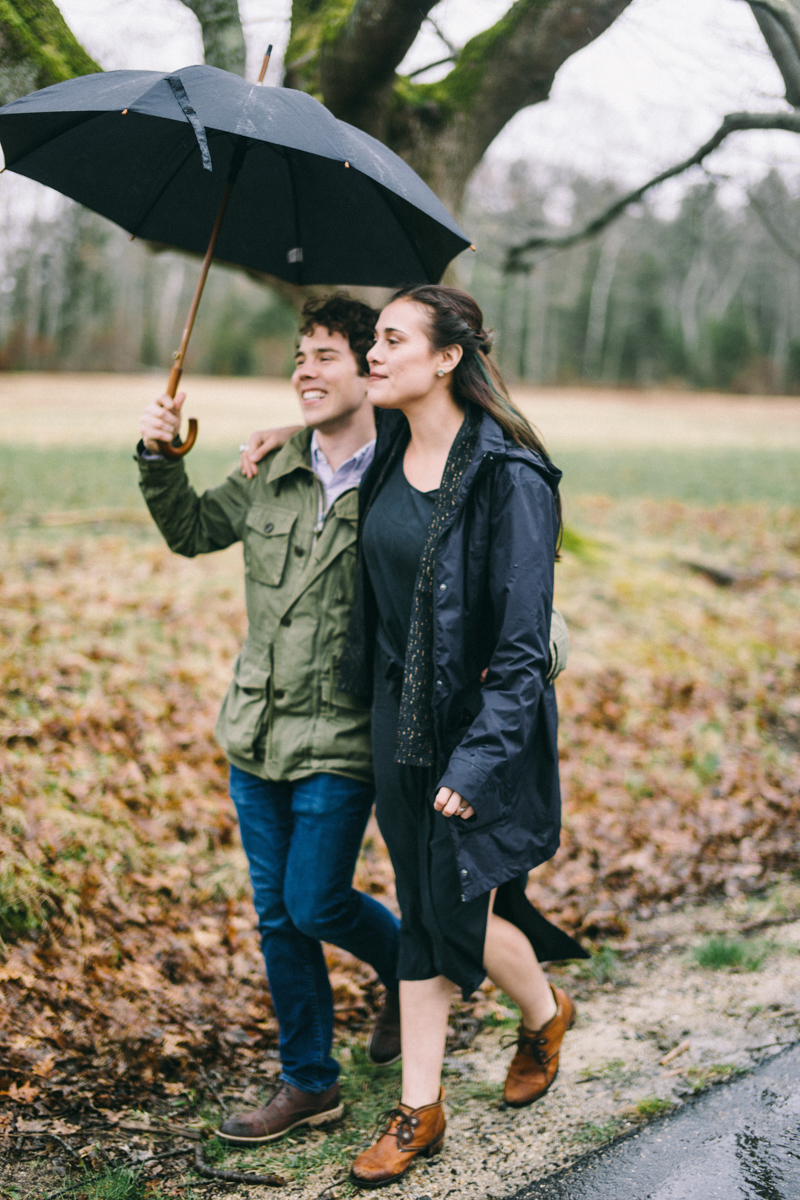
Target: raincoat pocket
266 542
242 722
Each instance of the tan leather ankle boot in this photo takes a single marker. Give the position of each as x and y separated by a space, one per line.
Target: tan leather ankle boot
409 1132
535 1065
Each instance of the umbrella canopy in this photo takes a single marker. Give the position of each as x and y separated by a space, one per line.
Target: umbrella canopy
314 200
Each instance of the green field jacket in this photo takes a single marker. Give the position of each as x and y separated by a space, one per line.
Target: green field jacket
283 716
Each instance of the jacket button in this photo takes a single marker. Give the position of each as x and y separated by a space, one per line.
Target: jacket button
279 693
463 897
286 620
438 683
299 551
464 871
442 587
268 528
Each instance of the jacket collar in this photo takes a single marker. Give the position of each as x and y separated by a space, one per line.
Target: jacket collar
493 445
295 454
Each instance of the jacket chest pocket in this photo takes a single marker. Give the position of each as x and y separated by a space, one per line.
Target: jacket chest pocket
266 542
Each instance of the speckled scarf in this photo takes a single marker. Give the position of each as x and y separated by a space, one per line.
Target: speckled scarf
416 742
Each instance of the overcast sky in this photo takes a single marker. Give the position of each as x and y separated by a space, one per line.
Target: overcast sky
644 94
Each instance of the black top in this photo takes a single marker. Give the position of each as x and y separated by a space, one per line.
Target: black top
394 537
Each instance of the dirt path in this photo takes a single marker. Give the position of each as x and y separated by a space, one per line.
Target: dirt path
637 1007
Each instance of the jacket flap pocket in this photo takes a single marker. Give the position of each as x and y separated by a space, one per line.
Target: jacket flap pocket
266 542
250 675
241 725
270 521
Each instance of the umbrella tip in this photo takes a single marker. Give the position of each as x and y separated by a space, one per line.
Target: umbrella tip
124 111
472 246
347 164
265 64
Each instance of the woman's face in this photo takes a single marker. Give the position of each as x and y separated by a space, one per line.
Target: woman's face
402 363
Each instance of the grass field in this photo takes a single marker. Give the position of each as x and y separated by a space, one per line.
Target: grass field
36 479
66 441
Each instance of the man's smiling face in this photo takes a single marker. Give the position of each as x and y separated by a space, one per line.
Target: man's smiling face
326 378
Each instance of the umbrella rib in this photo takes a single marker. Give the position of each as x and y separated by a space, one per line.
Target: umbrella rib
397 216
160 193
49 140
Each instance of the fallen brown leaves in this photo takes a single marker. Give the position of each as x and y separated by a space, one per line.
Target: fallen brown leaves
131 965
680 715
130 954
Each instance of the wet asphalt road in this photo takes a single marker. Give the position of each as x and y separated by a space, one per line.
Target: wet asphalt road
740 1141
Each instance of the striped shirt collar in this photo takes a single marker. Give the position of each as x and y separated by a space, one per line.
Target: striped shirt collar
345 477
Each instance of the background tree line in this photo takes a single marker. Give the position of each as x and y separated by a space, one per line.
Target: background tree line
709 296
77 295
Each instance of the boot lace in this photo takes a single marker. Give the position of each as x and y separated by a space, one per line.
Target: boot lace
406 1125
529 1043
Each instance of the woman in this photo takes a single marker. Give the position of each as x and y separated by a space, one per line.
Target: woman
460 524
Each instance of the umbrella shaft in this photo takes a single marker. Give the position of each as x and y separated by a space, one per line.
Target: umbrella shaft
177 370
166 449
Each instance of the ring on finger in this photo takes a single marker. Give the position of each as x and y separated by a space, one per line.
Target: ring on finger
462 808
243 447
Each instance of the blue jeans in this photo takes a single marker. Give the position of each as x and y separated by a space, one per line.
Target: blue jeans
302 841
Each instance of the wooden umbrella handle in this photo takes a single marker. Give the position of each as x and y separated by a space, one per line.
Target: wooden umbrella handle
170 451
166 448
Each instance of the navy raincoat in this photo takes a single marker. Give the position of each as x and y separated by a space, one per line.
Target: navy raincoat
493 593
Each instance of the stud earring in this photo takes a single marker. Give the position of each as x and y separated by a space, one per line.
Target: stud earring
440 371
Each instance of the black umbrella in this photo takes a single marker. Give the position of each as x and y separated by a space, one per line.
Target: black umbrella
304 196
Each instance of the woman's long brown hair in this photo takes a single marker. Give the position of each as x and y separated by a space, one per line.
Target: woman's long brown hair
456 320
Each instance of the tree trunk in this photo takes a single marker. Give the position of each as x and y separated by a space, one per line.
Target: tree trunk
347 55
223 40
598 303
37 48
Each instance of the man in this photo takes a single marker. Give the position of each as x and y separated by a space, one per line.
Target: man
299 748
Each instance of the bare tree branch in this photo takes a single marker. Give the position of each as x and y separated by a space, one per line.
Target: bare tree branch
429 66
358 62
223 39
443 129
786 13
732 123
782 48
202 1168
451 46
346 53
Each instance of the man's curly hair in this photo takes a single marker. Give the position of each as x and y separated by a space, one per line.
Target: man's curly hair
340 313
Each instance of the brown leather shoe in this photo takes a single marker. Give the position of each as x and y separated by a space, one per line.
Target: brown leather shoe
409 1132
384 1042
288 1108
535 1065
